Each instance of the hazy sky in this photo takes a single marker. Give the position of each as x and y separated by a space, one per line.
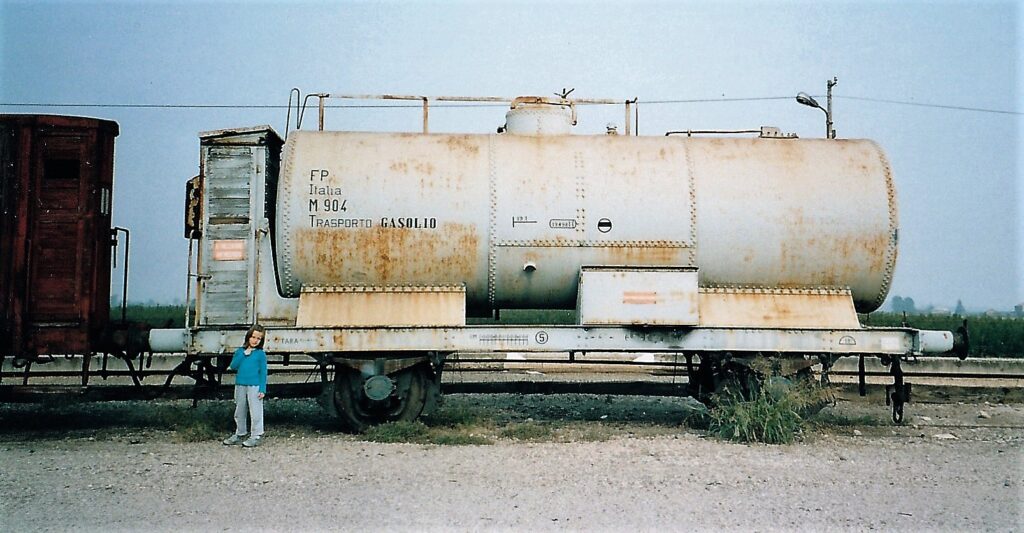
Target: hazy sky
937 84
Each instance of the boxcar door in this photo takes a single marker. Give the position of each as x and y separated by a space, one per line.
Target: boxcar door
58 248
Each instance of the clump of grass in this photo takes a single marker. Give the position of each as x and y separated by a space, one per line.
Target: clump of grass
204 423
460 439
528 431
588 432
697 420
772 412
455 416
397 432
199 431
419 433
594 434
63 418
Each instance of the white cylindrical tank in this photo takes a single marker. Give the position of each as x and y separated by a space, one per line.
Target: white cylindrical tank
514 217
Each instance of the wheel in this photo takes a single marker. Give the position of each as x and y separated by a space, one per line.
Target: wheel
364 400
702 380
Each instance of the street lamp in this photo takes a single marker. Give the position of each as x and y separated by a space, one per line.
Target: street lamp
808 100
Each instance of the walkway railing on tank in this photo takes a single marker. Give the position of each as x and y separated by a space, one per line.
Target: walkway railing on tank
300 103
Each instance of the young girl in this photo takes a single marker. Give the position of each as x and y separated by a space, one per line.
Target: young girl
250 361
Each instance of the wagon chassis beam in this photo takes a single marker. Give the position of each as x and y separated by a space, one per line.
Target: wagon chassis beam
888 342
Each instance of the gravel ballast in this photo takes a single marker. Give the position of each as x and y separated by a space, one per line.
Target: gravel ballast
947 469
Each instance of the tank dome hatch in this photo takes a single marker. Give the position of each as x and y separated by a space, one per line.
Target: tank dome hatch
537 115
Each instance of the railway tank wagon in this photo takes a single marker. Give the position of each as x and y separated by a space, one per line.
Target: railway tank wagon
367 251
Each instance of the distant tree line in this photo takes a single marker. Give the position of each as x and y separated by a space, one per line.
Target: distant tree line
903 305
899 304
152 315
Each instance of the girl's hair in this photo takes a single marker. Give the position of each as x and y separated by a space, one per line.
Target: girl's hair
254 328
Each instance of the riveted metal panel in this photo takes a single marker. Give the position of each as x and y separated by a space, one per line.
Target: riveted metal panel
515 217
567 201
383 209
592 192
796 214
541 191
650 296
356 305
777 308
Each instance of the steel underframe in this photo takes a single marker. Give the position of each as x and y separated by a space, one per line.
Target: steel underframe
561 338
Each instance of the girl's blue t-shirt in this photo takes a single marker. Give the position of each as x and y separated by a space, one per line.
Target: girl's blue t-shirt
252 368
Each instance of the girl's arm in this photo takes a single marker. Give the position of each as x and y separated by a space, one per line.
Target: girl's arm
236 359
263 372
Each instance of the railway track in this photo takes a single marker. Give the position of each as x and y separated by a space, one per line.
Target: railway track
617 374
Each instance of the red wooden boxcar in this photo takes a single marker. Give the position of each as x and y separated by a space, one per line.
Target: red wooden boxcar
55 233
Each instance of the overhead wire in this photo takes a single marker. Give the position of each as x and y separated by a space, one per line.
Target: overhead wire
940 106
352 106
477 105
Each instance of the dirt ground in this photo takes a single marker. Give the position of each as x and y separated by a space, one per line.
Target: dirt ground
115 467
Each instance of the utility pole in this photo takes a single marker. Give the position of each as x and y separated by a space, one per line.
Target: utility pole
830 132
809 101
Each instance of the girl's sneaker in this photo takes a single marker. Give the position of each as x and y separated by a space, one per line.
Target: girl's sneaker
252 442
232 440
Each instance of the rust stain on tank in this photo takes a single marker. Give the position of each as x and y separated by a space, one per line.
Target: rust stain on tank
645 255
721 149
871 248
843 260
424 167
384 255
459 143
789 153
816 249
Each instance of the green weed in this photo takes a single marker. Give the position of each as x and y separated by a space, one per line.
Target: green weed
397 432
588 432
420 433
528 431
772 413
454 416
200 431
460 439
